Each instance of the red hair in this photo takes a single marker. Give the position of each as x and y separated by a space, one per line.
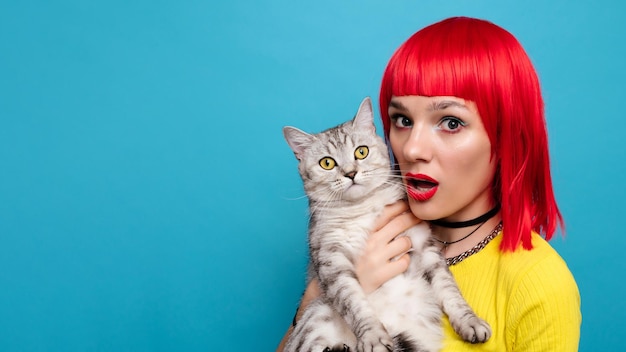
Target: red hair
478 61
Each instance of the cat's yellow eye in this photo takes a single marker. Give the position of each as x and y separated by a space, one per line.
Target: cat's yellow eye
327 163
361 152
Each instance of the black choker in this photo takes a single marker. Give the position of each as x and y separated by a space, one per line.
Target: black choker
459 224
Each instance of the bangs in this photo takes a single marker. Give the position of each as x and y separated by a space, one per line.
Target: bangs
442 70
437 62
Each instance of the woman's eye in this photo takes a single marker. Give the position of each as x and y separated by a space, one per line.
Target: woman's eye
401 121
327 163
451 124
361 152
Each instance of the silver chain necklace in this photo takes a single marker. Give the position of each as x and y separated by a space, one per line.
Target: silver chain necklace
477 248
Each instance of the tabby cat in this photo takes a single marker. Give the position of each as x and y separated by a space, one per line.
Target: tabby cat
348 179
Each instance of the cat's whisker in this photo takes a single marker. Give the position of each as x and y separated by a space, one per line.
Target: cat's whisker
321 191
330 197
396 166
304 196
328 193
297 198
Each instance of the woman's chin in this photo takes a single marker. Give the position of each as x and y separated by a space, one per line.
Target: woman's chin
425 210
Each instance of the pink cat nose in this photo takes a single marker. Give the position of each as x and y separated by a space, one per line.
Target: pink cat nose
350 175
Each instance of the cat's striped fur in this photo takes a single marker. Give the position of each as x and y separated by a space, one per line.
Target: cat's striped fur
405 313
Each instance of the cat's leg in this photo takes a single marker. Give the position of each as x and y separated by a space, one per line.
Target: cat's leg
405 343
321 329
343 291
462 317
417 337
410 313
423 334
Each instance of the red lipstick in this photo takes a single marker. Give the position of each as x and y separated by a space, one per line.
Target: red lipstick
420 187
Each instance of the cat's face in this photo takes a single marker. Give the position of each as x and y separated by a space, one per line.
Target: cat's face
346 162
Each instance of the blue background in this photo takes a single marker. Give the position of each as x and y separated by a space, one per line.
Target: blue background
148 201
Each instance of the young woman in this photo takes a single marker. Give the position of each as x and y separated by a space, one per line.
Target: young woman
462 110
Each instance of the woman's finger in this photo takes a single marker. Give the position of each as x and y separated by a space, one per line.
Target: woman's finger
398 266
397 247
383 273
389 212
394 227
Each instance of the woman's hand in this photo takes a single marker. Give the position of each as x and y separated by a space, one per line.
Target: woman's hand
385 254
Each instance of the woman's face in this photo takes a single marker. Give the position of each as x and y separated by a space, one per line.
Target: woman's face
444 155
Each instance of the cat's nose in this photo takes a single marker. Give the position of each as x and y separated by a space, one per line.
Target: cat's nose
350 175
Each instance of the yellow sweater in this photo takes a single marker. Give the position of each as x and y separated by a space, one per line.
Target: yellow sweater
529 298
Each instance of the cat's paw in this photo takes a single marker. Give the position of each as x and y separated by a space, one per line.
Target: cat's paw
317 347
343 348
375 339
474 330
326 344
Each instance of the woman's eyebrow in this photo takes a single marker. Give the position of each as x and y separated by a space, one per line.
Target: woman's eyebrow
397 105
444 104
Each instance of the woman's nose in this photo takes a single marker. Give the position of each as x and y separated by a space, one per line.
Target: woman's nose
418 146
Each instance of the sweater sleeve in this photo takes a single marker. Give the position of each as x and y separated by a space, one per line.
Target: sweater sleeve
544 311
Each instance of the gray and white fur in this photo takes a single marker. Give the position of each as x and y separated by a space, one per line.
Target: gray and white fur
405 313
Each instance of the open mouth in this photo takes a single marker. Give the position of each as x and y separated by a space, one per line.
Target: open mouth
421 187
421 184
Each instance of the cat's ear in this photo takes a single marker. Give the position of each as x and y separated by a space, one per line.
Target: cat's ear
364 119
298 140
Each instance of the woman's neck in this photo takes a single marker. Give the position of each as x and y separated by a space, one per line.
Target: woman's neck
454 241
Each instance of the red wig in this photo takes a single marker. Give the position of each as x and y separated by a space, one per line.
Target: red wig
478 61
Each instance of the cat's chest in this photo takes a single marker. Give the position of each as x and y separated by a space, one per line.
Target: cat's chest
357 230
349 226
347 232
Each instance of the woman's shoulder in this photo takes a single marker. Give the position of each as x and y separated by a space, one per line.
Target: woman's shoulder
542 294
541 256
541 259
540 266
540 269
